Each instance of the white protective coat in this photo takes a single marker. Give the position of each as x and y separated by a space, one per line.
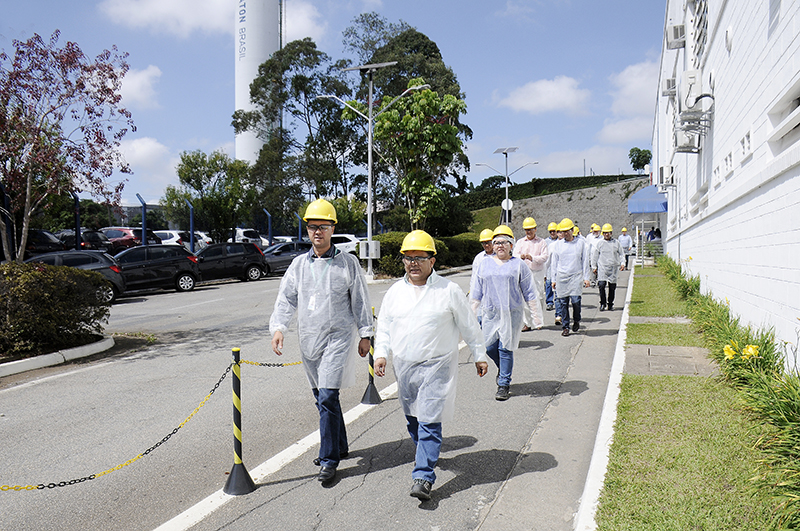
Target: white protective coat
569 266
333 310
607 257
420 327
502 290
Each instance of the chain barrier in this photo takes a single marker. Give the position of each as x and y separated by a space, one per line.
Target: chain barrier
42 486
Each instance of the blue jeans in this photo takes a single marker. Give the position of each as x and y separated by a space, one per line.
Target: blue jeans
564 309
504 359
548 292
557 302
332 433
427 437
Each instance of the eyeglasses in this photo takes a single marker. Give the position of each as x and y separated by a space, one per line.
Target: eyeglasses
500 244
412 259
315 228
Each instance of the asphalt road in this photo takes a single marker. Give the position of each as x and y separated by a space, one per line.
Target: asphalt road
84 418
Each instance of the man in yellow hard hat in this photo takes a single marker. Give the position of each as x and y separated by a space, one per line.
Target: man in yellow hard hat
328 291
421 319
592 238
552 228
486 241
570 270
627 244
534 252
608 259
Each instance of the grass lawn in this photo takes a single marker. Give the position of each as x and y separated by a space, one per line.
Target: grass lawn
654 295
486 218
681 459
682 335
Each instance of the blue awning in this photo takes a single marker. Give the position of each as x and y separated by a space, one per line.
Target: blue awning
647 201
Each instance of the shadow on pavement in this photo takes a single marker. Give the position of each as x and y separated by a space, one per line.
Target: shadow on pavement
548 388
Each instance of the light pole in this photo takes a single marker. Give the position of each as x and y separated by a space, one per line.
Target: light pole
370 70
506 204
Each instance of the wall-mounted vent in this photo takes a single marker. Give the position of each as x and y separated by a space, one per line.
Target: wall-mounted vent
669 87
665 176
676 36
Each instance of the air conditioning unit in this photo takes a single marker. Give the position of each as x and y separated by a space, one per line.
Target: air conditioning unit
662 189
665 176
676 36
691 88
669 87
686 142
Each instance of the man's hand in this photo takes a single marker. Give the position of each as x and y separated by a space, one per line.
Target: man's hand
554 285
380 366
594 271
277 343
363 347
586 283
482 367
622 268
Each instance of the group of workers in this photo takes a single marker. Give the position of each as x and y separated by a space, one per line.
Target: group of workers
422 318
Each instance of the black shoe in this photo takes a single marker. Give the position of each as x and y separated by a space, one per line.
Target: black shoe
502 393
603 307
342 455
610 306
565 332
421 489
575 326
326 475
549 307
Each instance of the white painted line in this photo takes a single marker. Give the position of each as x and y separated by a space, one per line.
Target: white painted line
584 519
171 310
195 514
53 377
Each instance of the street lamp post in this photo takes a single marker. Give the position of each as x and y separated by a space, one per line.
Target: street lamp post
370 70
506 204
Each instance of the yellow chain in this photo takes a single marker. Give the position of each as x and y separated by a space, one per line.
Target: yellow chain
19 487
271 364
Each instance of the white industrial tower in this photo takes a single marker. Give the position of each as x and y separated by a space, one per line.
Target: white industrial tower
257 37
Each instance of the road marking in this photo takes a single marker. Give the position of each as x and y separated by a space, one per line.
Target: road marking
171 310
53 377
195 514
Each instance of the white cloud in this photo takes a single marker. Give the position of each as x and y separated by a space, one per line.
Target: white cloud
548 95
303 19
153 167
138 88
602 160
178 17
633 105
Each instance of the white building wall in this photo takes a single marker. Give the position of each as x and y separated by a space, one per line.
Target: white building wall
735 206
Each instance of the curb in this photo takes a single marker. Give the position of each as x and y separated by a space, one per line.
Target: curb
55 358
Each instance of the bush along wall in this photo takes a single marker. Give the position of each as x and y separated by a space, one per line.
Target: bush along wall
756 365
46 308
451 251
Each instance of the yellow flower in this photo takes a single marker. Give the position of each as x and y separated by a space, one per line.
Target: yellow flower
729 352
727 302
750 351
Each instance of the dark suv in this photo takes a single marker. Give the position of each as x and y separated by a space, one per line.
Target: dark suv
159 266
90 240
42 241
232 260
126 237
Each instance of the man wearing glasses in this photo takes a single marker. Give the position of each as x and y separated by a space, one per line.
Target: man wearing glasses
328 291
419 324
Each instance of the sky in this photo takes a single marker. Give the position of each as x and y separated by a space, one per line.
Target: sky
571 83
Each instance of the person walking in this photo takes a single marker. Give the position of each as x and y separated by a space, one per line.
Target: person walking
327 289
608 259
571 273
552 228
534 252
504 285
627 244
420 321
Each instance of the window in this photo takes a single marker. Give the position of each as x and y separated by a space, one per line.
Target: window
213 252
235 248
134 255
75 260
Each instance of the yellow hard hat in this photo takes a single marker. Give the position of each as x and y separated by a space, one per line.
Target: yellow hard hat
418 240
503 229
529 223
486 235
575 230
595 227
320 209
566 224
608 228
553 226
624 229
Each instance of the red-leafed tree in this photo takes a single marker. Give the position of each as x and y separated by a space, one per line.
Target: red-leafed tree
61 123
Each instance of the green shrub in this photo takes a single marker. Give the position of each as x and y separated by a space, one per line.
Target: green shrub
390 263
45 308
462 249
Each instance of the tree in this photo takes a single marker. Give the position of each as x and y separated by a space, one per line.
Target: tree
418 139
61 124
639 158
215 185
155 220
369 32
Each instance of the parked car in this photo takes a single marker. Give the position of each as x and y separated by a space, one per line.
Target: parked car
280 255
347 243
98 261
180 237
204 237
247 236
42 241
126 237
159 266
232 260
90 240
